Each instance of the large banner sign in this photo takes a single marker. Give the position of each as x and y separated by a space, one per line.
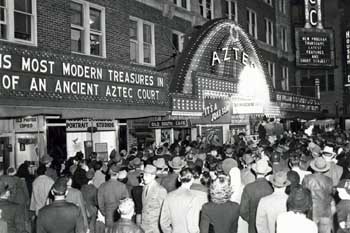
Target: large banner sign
315 47
30 75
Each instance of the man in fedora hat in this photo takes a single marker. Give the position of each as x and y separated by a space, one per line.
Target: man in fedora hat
134 172
321 187
299 203
60 216
335 171
247 176
109 194
170 182
253 192
272 205
153 196
181 208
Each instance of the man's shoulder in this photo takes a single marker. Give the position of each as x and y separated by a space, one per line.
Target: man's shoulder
8 204
62 205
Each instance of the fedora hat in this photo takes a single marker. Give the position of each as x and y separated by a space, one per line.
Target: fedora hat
136 162
328 150
46 159
261 167
319 164
150 169
247 159
160 163
228 164
279 179
177 163
229 150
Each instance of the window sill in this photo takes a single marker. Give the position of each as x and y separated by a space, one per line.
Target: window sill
143 64
89 55
21 42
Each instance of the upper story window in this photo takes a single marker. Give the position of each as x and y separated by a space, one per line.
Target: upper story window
285 78
252 23
231 10
206 8
283 6
268 2
269 32
284 39
178 40
271 71
183 3
88 34
142 48
18 21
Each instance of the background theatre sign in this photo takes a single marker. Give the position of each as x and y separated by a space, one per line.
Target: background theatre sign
315 47
314 44
42 79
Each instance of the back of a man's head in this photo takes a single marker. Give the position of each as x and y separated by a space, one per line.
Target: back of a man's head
186 175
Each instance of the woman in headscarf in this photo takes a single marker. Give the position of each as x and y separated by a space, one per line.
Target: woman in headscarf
220 214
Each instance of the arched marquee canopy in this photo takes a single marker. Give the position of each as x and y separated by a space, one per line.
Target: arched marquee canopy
219 59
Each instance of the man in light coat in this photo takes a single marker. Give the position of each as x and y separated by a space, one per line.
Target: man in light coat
271 206
153 196
180 211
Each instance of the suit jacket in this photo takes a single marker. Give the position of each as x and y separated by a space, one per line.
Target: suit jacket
108 196
252 193
180 212
13 215
74 196
18 189
268 210
335 172
151 207
60 217
126 226
89 192
212 214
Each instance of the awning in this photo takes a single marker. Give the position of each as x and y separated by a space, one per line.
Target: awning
71 113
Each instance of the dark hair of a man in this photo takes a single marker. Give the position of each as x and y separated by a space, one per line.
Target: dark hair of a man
186 175
197 171
98 165
205 179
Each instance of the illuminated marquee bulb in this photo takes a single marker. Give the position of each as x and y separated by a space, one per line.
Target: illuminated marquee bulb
252 84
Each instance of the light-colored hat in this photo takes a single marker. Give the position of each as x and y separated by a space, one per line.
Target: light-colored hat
247 159
126 206
46 159
280 179
319 164
328 151
261 167
229 150
160 163
136 162
228 164
11 171
177 163
150 169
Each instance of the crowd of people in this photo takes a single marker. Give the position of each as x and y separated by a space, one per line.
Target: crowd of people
283 182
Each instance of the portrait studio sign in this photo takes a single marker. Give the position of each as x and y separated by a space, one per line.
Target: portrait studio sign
42 77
